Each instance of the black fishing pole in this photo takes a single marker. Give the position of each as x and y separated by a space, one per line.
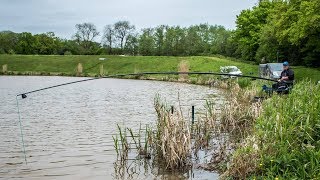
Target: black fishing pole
24 95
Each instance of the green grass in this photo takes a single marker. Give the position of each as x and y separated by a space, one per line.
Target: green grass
286 137
290 130
129 64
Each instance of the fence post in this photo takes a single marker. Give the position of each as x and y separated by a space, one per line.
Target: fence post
101 70
192 115
79 69
4 68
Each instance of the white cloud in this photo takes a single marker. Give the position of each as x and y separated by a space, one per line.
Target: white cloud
60 16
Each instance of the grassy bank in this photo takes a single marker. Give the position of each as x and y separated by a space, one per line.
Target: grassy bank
67 65
285 141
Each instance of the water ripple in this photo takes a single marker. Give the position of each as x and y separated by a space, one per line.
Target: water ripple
68 130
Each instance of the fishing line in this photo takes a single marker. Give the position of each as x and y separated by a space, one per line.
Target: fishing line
23 147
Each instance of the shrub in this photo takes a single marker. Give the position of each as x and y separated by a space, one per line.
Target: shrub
11 51
67 53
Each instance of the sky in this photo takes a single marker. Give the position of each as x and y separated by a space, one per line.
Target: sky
61 16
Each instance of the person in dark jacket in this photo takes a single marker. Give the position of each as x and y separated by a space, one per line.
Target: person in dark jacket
286 77
287 74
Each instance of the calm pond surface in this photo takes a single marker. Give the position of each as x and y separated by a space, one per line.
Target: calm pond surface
68 130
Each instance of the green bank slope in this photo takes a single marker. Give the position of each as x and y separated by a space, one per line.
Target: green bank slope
67 65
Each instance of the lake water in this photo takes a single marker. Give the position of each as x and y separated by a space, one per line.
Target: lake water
68 130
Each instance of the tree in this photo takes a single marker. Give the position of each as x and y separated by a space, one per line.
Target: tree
85 35
122 30
159 33
249 24
108 37
47 43
132 45
26 44
193 44
146 42
218 38
8 41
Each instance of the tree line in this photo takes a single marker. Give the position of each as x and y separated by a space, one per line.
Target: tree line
122 38
273 30
280 29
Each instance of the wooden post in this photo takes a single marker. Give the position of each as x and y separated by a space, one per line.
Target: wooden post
101 70
192 115
4 68
79 69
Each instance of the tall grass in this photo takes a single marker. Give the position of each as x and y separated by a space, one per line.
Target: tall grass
285 142
239 111
171 141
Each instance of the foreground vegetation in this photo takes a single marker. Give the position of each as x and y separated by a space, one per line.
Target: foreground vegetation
285 139
67 65
274 139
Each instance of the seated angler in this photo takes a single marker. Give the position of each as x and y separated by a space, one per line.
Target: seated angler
286 77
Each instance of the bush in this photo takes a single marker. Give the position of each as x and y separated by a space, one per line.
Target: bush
11 51
67 53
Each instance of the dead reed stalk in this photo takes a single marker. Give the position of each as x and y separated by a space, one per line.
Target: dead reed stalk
239 112
172 137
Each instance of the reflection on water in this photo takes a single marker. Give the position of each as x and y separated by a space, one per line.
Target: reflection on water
68 130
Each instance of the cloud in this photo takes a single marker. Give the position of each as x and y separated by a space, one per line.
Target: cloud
60 16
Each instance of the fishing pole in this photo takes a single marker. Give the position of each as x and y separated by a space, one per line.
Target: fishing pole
24 95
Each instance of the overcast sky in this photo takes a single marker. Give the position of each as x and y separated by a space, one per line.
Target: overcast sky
60 16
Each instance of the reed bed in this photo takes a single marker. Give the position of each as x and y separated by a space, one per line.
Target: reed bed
239 111
274 138
172 138
168 142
